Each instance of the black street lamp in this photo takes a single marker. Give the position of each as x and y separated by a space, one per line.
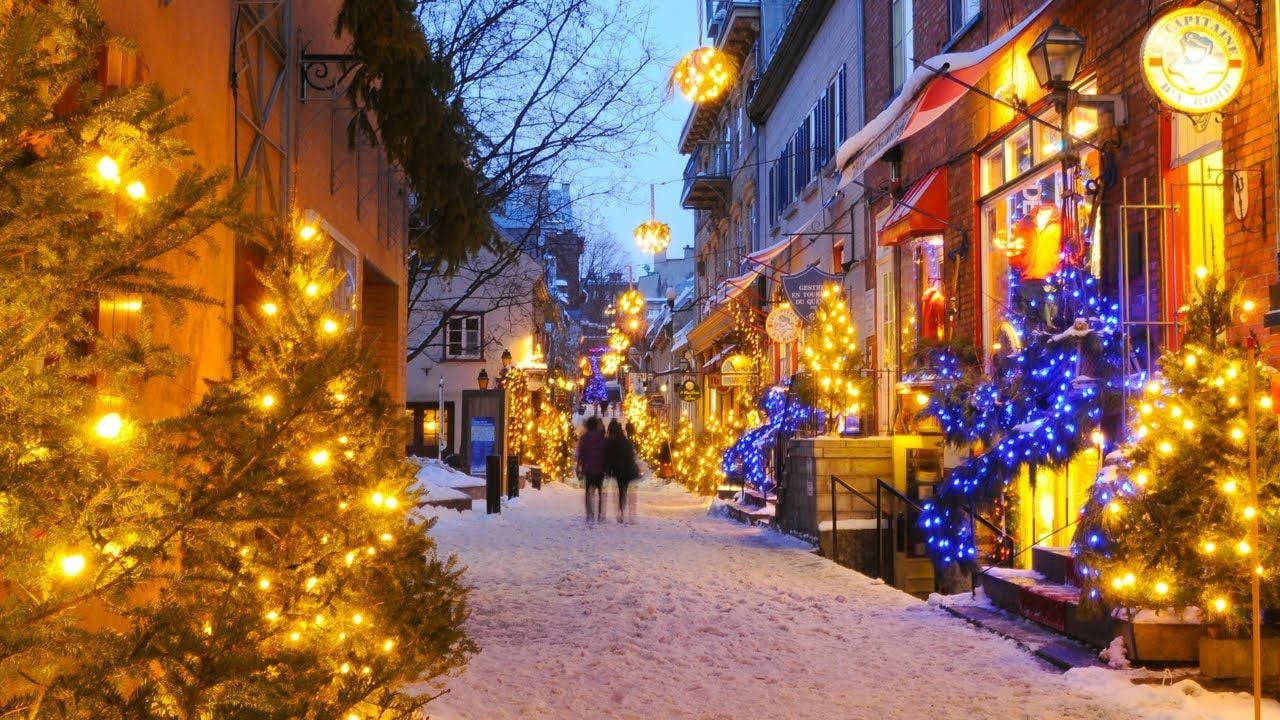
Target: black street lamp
482 379
1055 57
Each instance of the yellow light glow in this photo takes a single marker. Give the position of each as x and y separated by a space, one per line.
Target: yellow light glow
704 74
270 308
386 537
653 236
388 645
1229 487
1097 437
1202 272
306 232
1166 447
311 582
1162 588
264 584
72 565
272 615
268 400
329 325
1265 402
922 399
320 457
109 426
1249 306
343 439
1145 408
390 503
357 619
1153 387
108 170
345 668
1129 579
1141 479
1115 508
1243 547
1188 424
312 289
1220 604
376 499
1210 546
1189 360
136 190
1249 512
1046 509
295 636
1237 434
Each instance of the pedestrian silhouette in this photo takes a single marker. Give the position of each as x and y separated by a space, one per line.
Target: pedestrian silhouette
620 462
591 465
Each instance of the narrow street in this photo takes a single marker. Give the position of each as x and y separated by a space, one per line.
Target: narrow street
688 616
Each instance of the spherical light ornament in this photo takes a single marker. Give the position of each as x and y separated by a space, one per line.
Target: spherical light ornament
631 302
704 74
618 342
609 363
653 236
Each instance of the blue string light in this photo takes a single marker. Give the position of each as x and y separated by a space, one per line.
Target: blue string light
783 414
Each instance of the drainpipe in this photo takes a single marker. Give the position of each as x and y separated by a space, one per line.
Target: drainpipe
1272 318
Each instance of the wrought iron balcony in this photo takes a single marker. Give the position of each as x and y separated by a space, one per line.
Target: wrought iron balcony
707 176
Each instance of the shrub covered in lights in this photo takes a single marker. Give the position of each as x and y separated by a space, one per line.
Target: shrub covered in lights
650 431
1167 524
832 358
251 557
1057 362
749 455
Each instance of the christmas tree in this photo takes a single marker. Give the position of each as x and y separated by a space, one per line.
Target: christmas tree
595 391
684 451
557 440
1056 363
1168 522
253 557
831 357
520 413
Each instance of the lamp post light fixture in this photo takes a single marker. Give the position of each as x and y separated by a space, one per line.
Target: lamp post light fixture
482 379
1055 57
506 358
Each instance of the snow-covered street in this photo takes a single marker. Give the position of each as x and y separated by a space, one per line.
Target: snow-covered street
688 616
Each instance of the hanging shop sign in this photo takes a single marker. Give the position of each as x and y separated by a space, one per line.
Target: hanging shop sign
736 371
688 390
783 324
804 290
1193 59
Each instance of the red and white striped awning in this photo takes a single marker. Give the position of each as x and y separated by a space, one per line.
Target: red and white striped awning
921 211
934 86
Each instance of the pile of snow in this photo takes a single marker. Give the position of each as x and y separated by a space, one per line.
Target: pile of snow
439 481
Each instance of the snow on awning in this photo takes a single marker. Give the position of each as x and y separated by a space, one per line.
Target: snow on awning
920 212
760 259
928 92
714 362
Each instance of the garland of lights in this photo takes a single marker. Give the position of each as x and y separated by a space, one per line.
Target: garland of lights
1042 407
783 414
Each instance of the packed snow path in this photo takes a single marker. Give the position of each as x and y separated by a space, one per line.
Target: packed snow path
682 615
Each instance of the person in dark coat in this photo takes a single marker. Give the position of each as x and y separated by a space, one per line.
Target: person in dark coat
591 463
620 462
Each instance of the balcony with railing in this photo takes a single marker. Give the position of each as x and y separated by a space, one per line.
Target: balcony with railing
732 26
707 176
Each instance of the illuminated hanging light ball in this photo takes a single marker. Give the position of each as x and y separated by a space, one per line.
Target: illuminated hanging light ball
653 236
618 342
631 302
704 74
609 363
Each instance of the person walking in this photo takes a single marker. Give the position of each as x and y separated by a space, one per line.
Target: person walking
591 464
620 461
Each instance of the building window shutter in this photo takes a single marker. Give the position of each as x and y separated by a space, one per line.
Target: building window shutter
842 131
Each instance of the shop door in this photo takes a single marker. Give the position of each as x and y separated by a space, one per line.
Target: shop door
887 335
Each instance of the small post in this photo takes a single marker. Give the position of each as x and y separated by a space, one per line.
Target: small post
440 421
492 484
513 476
1255 585
835 544
879 535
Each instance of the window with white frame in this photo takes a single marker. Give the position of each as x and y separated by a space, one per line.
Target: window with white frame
963 12
902 38
463 338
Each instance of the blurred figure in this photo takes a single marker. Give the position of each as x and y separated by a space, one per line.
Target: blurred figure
591 464
620 462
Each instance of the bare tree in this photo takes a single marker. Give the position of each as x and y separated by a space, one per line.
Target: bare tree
551 88
602 255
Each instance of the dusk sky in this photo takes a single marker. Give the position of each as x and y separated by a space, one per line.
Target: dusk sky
673 23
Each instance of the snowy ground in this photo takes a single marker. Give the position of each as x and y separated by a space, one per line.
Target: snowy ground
688 616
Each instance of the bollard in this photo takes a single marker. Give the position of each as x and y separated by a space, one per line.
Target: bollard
513 476
493 484
535 477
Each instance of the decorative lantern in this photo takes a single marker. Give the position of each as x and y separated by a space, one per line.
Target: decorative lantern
653 236
1055 56
704 74
618 342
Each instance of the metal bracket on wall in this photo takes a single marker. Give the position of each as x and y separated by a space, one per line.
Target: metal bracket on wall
326 73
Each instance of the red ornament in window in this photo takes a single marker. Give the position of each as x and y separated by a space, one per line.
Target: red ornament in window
933 314
1036 251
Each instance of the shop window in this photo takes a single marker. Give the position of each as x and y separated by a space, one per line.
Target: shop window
924 299
1195 187
1022 238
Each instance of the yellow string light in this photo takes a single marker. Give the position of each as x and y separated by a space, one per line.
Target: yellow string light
307 232
109 426
268 400
320 457
136 190
109 170
269 309
72 564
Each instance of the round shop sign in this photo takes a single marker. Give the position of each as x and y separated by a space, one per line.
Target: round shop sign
1193 59
783 324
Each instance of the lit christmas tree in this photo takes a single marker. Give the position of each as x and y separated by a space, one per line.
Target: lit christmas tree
557 440
253 557
1168 521
1055 365
831 357
684 451
596 391
520 413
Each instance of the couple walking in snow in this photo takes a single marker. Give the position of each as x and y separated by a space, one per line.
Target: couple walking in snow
600 454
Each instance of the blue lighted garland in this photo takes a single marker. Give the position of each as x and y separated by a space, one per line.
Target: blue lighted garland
749 454
1040 408
596 391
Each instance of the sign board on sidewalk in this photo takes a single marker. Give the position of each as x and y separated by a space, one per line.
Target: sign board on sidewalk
804 290
484 436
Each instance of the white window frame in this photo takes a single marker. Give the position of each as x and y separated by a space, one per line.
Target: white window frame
902 48
467 352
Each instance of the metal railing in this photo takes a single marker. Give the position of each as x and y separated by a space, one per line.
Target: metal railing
902 521
708 160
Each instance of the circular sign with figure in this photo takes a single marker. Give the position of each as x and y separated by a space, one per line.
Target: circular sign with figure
688 390
783 324
1193 59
